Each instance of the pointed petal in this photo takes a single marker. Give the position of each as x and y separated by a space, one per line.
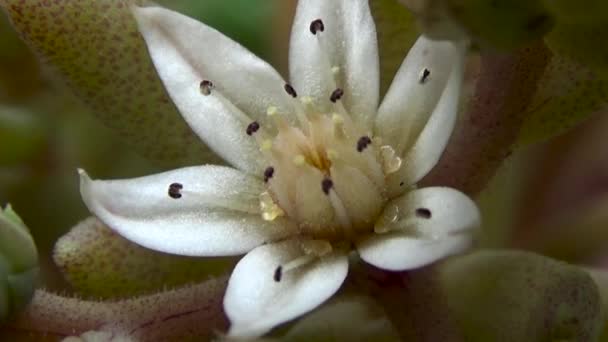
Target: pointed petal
348 42
186 52
412 97
217 213
423 226
427 147
255 302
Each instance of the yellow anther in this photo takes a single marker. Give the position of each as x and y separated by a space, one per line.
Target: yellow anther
316 248
306 100
299 160
337 118
266 145
390 161
272 110
270 210
335 70
332 154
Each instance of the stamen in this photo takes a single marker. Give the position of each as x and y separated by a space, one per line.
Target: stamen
363 142
268 173
266 145
335 70
299 160
316 26
289 89
336 95
424 75
206 86
272 110
338 121
424 213
175 190
252 128
326 185
391 163
317 248
270 210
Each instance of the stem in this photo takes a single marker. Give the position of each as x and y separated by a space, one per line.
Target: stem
485 134
193 311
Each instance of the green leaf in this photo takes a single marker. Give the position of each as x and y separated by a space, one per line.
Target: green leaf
397 32
345 318
497 24
520 296
100 263
579 42
94 46
567 94
18 264
505 24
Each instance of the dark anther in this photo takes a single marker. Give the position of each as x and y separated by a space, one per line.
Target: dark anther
402 184
289 89
268 173
175 190
326 185
316 26
252 128
336 95
363 142
206 87
278 274
425 75
423 213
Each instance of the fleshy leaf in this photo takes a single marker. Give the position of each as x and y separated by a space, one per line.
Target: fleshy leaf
192 313
519 296
95 47
567 94
397 32
344 319
100 263
18 263
577 31
502 24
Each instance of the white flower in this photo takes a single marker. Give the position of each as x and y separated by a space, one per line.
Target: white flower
319 168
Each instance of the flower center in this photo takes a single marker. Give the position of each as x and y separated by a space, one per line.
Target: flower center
326 173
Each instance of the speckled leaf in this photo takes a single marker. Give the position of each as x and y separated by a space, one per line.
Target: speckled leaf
94 46
567 94
100 263
396 34
519 296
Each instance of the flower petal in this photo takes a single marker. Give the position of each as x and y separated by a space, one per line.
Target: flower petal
212 212
412 96
426 147
255 302
348 42
186 52
421 227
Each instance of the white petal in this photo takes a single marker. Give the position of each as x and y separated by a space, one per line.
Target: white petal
409 101
349 43
185 52
414 241
255 302
429 144
217 213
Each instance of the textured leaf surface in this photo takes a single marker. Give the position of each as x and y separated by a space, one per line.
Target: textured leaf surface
100 263
519 296
567 94
95 47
